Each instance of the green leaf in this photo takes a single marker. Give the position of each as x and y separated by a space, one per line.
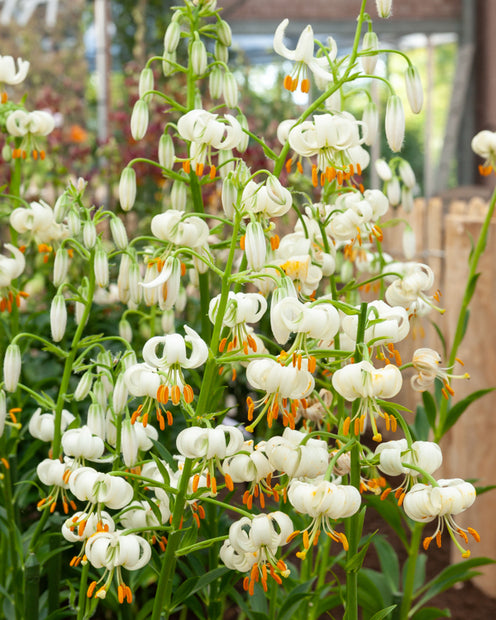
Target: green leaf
449 576
481 490
470 290
390 512
383 613
431 613
419 577
390 565
457 410
369 596
420 427
295 599
430 408
192 585
354 564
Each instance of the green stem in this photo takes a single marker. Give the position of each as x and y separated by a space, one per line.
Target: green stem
463 314
165 582
413 551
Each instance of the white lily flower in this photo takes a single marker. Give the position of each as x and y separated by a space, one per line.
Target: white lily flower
38 123
294 256
181 230
484 145
241 308
281 384
385 325
319 321
362 381
162 282
289 455
427 363
209 443
251 465
8 72
111 550
41 425
424 503
303 56
82 525
417 279
80 443
253 544
323 501
90 485
395 456
39 220
270 198
139 514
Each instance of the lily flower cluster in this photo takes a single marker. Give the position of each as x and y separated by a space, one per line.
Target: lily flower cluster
218 307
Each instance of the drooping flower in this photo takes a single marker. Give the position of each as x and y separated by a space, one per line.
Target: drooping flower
39 221
427 363
10 75
311 320
54 474
303 57
113 550
425 503
323 500
296 455
268 199
29 126
484 145
252 546
10 269
41 425
361 380
411 287
90 485
284 386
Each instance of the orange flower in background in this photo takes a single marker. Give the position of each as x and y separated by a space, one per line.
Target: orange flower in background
78 134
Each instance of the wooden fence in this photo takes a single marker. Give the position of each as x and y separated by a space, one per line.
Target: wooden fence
445 231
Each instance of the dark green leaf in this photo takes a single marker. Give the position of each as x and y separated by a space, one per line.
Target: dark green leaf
190 586
457 410
383 613
295 599
389 562
430 408
431 613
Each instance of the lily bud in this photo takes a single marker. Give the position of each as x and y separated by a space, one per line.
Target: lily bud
371 119
408 242
84 386
255 246
384 8
221 52
198 57
101 268
89 234
407 199
146 83
369 44
393 192
395 123
225 163
12 367
216 82
74 223
167 321
127 188
125 330
414 90
58 317
230 90
172 37
119 234
61 207
229 196
224 34
166 154
245 138
179 195
168 63
119 395
383 170
406 173
60 266
139 119
96 420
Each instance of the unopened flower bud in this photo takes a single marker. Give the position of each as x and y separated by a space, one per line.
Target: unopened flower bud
119 234
12 367
168 63
408 243
79 306
96 420
333 103
395 123
384 8
74 223
60 266
89 234
370 43
171 37
407 199
119 395
230 90
225 163
101 268
146 84
166 154
229 196
61 207
221 52
383 170
58 317
393 192
414 90
125 330
406 173
346 271
245 138
6 156
139 119
179 195
167 321
134 279
371 119
84 386
255 246
198 57
216 82
127 188
224 33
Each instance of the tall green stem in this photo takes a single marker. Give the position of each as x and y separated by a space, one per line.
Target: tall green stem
463 314
413 552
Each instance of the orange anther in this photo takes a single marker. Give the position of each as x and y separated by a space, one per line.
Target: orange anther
305 85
